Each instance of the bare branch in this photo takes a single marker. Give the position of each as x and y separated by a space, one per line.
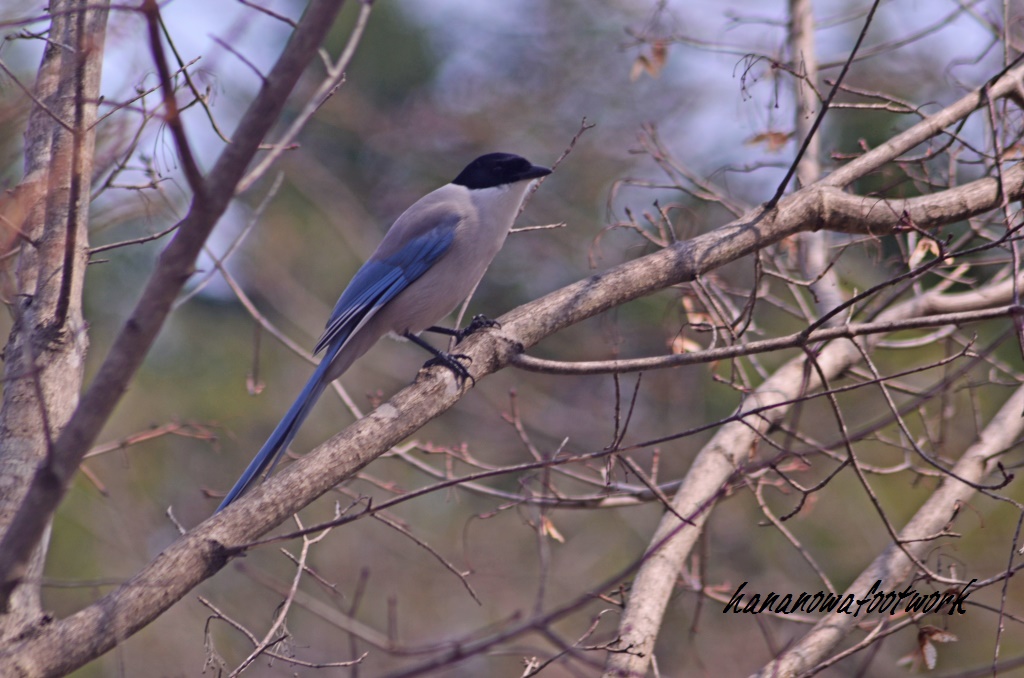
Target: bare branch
893 566
796 340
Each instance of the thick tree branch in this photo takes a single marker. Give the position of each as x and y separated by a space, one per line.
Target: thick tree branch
809 110
45 354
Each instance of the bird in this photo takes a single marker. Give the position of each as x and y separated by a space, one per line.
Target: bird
430 260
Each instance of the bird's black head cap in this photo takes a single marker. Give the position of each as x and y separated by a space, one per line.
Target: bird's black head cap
498 169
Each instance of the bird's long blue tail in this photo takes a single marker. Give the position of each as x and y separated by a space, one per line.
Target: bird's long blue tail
278 442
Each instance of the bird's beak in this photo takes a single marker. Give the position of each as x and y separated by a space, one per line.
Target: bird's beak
534 172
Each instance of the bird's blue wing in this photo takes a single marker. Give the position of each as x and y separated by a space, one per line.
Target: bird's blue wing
380 281
374 285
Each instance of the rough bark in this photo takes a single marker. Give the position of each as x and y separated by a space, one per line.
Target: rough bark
45 353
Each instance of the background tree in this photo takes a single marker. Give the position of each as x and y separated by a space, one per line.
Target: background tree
778 340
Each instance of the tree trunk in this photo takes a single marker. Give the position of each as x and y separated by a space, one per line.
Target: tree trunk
45 353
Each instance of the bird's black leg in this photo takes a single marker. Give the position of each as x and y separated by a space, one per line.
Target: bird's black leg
437 329
449 360
479 322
